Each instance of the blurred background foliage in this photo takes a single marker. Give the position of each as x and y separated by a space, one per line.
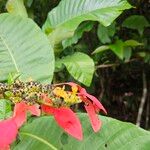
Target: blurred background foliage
121 53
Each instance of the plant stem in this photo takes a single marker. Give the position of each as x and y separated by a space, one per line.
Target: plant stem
147 114
115 64
143 99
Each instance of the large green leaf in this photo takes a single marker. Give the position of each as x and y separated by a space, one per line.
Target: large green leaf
80 66
136 22
5 109
16 7
66 17
114 135
24 49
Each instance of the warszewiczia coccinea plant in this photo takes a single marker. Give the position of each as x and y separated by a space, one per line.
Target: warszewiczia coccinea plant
53 100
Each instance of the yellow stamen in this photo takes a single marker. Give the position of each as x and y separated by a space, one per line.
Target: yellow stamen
74 89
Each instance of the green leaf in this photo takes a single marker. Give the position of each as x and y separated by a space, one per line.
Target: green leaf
142 54
16 7
85 27
24 50
66 17
28 3
105 33
101 49
132 43
127 53
136 22
12 77
118 48
5 109
147 58
80 66
114 135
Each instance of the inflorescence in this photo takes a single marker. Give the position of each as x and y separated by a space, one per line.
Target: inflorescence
54 100
31 92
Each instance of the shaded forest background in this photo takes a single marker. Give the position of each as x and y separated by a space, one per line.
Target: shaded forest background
120 84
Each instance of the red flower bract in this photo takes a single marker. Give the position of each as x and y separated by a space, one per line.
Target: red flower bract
48 109
66 119
8 133
9 128
95 122
20 111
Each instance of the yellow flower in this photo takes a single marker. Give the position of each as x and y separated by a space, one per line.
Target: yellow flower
72 96
73 99
58 91
68 97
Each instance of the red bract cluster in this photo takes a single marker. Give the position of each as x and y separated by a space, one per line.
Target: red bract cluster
92 106
67 119
63 115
